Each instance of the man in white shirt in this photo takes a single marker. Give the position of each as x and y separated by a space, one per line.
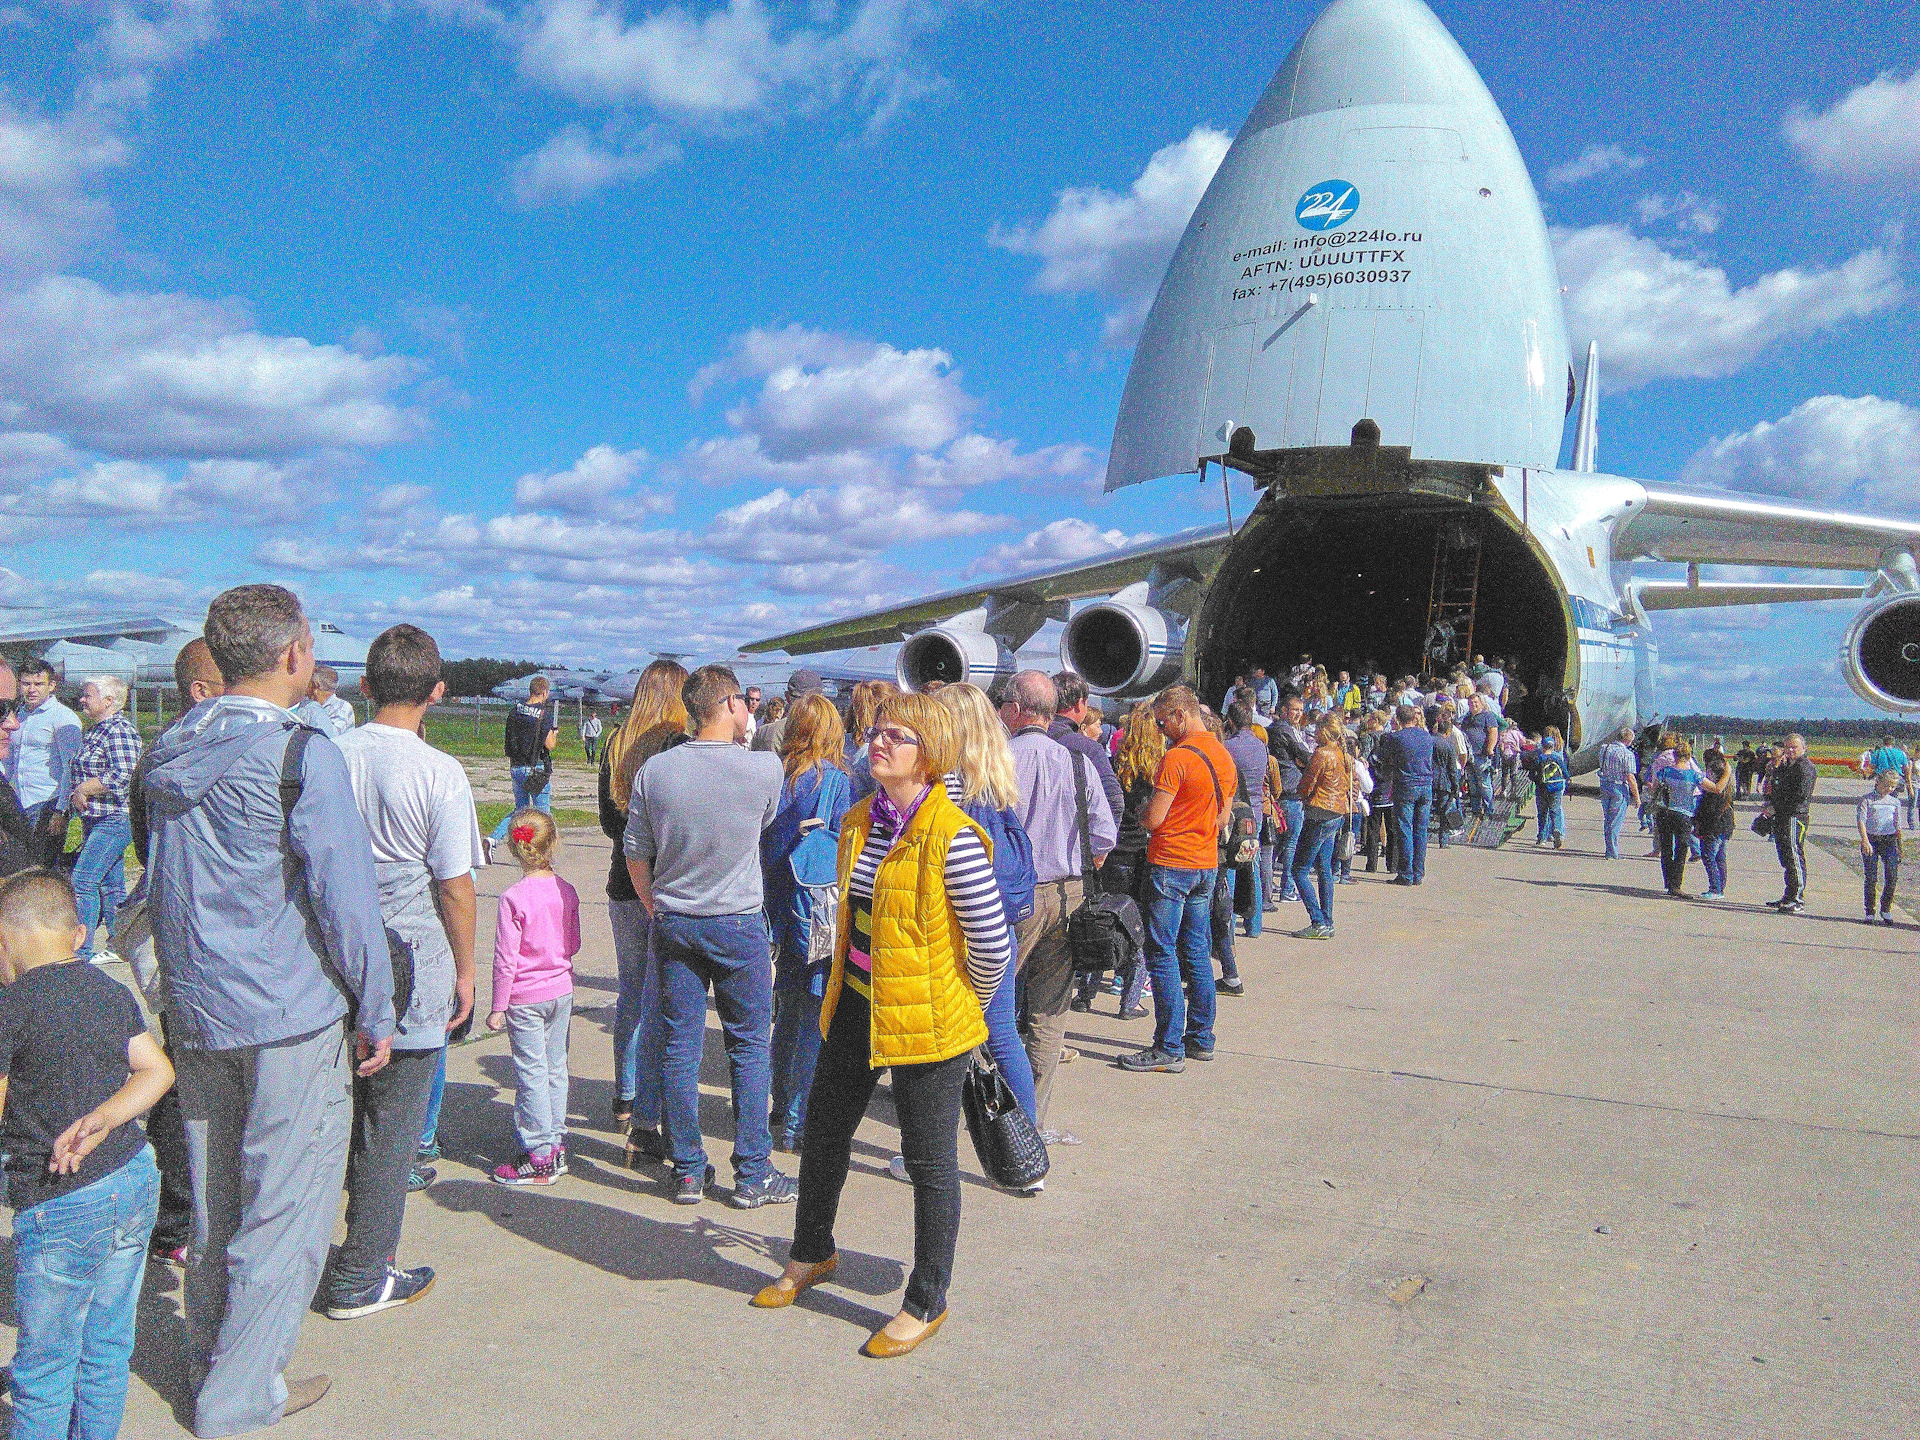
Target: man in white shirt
418 809
43 749
339 714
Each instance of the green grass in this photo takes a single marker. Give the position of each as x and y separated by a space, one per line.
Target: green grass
494 812
452 728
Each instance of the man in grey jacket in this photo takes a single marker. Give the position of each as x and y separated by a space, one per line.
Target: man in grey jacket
266 921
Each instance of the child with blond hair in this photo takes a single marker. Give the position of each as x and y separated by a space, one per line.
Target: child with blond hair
535 939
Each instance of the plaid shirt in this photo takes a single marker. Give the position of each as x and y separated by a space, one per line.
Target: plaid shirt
110 751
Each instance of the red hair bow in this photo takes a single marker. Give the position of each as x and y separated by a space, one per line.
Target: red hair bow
523 833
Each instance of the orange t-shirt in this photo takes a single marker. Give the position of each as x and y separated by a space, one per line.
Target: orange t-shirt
1189 839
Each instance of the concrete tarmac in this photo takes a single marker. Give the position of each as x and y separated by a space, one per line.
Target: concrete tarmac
1528 1151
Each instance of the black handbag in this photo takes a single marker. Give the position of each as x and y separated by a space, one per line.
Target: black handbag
1004 1136
1106 932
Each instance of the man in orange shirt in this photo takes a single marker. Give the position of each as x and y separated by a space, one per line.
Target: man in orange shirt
1190 799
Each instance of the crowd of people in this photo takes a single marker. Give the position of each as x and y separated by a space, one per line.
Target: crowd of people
891 882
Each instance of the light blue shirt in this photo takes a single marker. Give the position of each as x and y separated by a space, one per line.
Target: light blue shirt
43 748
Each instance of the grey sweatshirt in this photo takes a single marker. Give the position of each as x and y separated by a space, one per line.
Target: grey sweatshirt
696 816
266 927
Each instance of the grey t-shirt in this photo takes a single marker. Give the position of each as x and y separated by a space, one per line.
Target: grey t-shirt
696 816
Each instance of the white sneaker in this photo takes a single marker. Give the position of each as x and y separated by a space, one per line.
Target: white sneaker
486 851
897 1167
105 957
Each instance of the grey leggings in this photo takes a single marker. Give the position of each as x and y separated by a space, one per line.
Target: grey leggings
538 1034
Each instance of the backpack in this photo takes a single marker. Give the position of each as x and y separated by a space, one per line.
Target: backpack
1551 772
1013 868
815 863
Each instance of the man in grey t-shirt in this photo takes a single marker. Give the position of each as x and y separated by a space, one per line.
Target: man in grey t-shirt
693 852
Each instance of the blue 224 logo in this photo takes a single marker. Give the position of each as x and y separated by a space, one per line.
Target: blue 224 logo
1327 205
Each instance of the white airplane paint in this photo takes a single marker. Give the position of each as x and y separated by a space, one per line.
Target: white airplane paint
1364 316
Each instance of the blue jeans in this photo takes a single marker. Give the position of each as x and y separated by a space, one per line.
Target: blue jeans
1613 817
1410 820
541 800
1283 852
436 1094
1482 784
1179 957
796 1051
100 874
1003 1043
1550 814
78 1261
638 1038
1713 855
732 954
1313 866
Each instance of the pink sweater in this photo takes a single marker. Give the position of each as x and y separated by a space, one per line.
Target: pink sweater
535 939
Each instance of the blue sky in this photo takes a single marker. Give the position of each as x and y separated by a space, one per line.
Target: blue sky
573 329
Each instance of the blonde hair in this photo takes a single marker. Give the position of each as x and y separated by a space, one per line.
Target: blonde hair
928 719
815 736
655 717
1176 698
1330 728
984 763
113 688
1142 749
535 851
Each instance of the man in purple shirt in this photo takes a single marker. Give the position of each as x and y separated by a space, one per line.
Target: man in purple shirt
1050 810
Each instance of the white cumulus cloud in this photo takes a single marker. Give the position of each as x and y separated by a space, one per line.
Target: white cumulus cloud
825 394
1055 543
1657 314
1117 245
1687 211
1594 160
1872 134
574 164
848 522
596 484
145 375
1831 449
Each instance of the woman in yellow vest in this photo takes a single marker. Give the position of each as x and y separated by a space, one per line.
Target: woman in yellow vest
923 943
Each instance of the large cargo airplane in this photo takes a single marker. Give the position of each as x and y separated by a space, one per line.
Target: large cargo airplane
1364 317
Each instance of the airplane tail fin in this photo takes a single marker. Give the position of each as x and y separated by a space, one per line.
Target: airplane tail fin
1586 435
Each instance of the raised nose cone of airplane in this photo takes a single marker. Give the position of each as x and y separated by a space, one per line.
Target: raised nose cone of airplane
1371 248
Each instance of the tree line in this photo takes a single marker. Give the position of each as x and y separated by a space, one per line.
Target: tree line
1734 726
478 677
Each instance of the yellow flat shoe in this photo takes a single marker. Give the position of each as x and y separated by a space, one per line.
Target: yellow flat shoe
882 1346
784 1292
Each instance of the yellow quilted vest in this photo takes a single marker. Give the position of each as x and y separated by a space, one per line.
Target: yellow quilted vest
923 1008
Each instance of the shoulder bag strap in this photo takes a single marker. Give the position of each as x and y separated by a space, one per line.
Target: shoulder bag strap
293 769
1219 795
1080 800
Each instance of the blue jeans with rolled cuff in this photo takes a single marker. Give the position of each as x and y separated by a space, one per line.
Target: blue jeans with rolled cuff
100 874
78 1260
1313 866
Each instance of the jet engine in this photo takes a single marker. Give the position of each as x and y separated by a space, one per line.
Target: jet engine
1123 648
1881 654
952 654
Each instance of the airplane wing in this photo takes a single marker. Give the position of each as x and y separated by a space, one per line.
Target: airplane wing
1712 594
1097 575
1714 528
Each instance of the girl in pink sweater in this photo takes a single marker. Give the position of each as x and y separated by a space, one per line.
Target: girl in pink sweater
535 939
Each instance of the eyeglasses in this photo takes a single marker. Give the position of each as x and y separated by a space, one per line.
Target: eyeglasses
892 736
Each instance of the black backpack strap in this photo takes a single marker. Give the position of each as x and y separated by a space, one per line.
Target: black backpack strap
293 767
1219 795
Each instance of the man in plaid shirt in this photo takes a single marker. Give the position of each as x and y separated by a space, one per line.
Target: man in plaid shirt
98 778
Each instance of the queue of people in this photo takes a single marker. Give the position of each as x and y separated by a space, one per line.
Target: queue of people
889 888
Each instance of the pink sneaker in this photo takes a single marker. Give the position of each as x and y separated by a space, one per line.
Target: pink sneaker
542 1169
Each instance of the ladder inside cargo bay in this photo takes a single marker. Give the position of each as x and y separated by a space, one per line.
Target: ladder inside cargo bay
1451 597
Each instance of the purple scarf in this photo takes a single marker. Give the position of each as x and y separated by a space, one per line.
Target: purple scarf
885 812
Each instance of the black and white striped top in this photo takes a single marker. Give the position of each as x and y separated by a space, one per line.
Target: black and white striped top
971 888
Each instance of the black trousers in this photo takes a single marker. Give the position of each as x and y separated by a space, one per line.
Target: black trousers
926 1099
1790 845
1673 832
389 1111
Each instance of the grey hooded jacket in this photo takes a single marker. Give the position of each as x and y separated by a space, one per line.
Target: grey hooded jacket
266 926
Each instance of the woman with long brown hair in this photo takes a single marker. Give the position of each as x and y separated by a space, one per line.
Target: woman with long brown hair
817 789
1142 747
1326 790
656 717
